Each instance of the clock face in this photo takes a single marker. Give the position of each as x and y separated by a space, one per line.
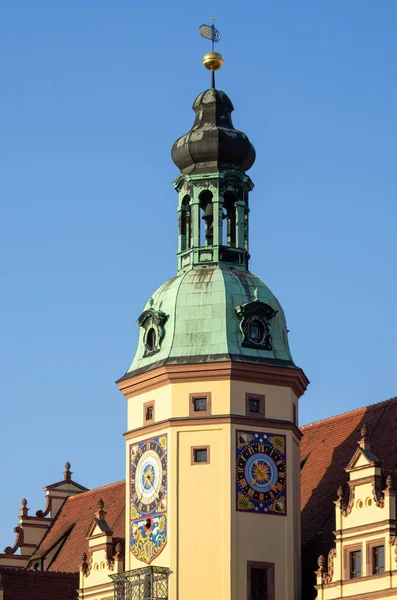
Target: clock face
261 472
148 476
148 498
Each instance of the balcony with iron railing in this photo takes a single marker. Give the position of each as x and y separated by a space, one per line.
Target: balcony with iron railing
147 583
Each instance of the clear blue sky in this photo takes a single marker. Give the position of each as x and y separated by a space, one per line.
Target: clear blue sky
93 95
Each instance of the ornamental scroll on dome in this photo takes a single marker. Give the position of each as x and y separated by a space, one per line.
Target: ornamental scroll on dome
255 320
152 321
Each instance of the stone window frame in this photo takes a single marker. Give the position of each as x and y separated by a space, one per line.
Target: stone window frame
146 405
196 414
262 406
270 570
193 450
369 562
256 311
347 551
149 320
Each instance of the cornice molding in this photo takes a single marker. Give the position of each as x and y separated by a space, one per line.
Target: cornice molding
292 377
214 420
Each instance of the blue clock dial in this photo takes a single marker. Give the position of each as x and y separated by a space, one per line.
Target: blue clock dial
261 472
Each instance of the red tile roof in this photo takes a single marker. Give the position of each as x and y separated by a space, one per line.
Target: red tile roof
73 520
19 584
326 449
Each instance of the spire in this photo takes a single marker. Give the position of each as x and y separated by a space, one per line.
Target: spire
213 187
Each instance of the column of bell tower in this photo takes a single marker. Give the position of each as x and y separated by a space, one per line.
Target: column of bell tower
212 442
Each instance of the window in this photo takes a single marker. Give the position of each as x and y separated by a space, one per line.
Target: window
200 404
148 412
375 557
378 559
355 564
256 331
200 455
260 581
151 339
255 405
258 584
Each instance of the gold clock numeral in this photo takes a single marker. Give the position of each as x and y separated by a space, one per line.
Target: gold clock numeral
250 493
243 483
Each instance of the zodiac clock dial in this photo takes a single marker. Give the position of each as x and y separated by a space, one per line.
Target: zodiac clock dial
148 476
261 472
148 498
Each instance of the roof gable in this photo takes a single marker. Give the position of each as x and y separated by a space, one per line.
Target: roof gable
98 527
74 520
361 459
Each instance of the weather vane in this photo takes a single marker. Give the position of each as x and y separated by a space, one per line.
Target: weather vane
212 60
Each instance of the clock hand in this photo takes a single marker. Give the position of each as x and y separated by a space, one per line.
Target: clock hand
254 479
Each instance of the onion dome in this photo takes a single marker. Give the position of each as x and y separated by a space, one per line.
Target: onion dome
213 144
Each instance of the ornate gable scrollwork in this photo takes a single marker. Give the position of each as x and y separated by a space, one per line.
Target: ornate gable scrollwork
379 499
18 541
346 508
326 572
255 327
152 321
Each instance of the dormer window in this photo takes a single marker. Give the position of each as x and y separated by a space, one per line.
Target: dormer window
152 322
255 324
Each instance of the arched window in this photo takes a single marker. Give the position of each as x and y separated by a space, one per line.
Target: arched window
229 201
206 206
184 224
151 339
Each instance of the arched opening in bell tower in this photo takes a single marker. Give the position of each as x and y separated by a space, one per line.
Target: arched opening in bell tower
185 224
229 203
207 215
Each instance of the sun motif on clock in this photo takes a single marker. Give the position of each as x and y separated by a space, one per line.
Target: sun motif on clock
261 477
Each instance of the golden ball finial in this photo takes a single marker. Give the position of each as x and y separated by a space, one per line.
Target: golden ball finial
213 61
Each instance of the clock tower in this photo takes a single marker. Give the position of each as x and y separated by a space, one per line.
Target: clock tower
212 443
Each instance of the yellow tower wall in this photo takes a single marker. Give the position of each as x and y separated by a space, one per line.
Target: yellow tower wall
209 542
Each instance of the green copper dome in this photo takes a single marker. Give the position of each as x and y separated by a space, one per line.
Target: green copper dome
202 321
214 310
